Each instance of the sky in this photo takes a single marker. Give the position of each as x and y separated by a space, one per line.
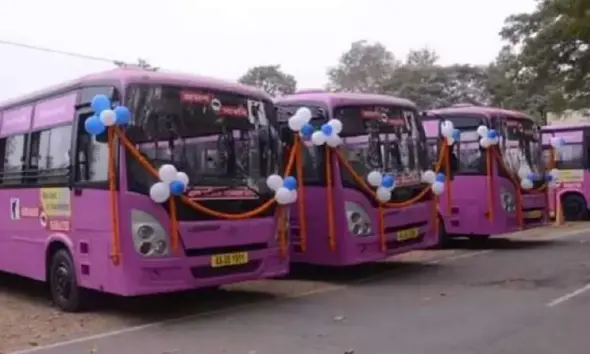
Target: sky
223 38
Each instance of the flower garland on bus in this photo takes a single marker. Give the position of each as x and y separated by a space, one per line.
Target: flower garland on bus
171 182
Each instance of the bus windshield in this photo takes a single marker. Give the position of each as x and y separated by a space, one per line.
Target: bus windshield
218 139
388 139
521 146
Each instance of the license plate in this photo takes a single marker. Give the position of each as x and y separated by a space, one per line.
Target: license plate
229 259
408 234
535 214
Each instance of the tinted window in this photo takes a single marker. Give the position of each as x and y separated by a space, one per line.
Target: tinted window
521 145
466 122
570 156
217 138
14 155
50 154
92 156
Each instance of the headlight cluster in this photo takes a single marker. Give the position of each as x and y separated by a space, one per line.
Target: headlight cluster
149 237
508 201
359 223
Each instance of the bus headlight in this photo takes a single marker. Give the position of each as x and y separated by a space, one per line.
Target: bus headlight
508 201
359 223
149 237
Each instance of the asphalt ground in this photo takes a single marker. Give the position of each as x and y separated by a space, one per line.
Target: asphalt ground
527 294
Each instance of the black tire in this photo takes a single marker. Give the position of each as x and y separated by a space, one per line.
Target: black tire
479 240
444 239
63 285
574 207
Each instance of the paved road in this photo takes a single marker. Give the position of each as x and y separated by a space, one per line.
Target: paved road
507 300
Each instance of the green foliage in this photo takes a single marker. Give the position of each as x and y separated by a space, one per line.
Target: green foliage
555 56
271 79
364 67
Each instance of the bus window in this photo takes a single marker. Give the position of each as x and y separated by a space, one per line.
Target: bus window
570 156
50 154
14 158
91 155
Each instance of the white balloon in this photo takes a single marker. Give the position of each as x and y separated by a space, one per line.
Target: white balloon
493 141
526 183
447 128
108 117
318 138
336 125
438 188
450 141
293 196
182 177
554 173
383 194
295 123
428 177
333 140
160 192
283 196
274 182
167 173
485 142
524 171
482 131
304 114
375 178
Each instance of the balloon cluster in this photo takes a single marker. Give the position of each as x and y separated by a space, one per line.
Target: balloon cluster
436 181
104 116
552 177
488 137
327 134
171 182
285 189
527 177
384 184
448 131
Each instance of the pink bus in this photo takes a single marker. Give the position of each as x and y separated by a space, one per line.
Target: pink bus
487 197
571 160
80 213
338 220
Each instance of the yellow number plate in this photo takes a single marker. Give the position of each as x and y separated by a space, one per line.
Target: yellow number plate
408 234
535 214
229 259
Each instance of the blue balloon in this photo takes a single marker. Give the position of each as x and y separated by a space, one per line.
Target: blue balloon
532 176
176 188
388 181
123 115
456 134
94 126
290 183
549 178
99 103
492 134
327 129
440 177
307 130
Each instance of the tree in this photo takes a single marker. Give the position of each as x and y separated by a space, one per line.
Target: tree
555 41
430 85
271 79
365 67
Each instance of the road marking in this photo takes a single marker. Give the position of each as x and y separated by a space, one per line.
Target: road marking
322 290
568 296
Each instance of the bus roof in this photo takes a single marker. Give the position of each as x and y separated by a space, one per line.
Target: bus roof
136 75
565 127
332 99
486 111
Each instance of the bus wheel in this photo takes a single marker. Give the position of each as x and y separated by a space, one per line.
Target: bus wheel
63 285
574 207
